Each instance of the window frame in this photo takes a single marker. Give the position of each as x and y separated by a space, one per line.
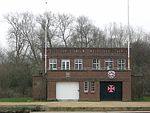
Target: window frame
97 64
122 64
65 61
92 86
52 62
86 86
109 61
78 63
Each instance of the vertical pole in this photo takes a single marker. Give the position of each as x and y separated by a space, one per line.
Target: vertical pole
45 38
46 50
128 38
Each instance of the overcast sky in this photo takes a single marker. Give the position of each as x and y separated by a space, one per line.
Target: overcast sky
101 12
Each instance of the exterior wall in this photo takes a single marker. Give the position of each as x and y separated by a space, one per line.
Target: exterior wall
95 76
38 88
51 90
92 96
86 74
126 90
87 55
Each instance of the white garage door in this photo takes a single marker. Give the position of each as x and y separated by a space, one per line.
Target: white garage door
67 90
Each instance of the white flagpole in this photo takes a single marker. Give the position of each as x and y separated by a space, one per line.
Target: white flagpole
45 38
128 38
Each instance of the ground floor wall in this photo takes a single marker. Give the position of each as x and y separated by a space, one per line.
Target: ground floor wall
90 96
45 87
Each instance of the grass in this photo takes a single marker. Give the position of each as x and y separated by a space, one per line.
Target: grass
20 109
144 99
16 100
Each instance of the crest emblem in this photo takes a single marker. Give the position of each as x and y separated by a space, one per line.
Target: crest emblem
111 74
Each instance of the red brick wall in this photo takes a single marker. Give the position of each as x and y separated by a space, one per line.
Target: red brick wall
51 90
87 74
38 88
126 90
93 96
96 76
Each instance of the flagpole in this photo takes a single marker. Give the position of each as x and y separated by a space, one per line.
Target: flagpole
45 38
128 37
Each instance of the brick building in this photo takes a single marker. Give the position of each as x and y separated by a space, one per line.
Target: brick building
95 74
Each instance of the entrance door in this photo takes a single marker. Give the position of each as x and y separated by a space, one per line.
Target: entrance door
110 91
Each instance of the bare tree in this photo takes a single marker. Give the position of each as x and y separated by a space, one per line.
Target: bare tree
83 29
51 28
23 35
86 34
116 35
15 36
97 38
29 33
65 27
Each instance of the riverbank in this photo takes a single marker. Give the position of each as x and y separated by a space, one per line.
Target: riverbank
26 107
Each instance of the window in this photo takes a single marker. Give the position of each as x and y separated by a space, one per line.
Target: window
78 64
92 86
109 64
96 64
65 64
52 64
86 86
121 64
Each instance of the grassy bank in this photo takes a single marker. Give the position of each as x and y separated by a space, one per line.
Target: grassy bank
16 100
144 99
20 109
147 98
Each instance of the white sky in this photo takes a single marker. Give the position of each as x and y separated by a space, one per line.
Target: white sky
101 12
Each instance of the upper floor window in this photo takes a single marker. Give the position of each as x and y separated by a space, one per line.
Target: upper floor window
109 64
121 65
52 64
96 64
78 64
65 64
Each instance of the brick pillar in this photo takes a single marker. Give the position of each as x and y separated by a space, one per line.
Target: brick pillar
38 87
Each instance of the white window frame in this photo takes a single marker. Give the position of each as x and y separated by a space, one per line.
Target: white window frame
52 62
86 86
65 61
92 84
121 64
110 62
97 64
78 63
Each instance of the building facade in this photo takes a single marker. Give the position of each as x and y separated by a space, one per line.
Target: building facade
93 74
